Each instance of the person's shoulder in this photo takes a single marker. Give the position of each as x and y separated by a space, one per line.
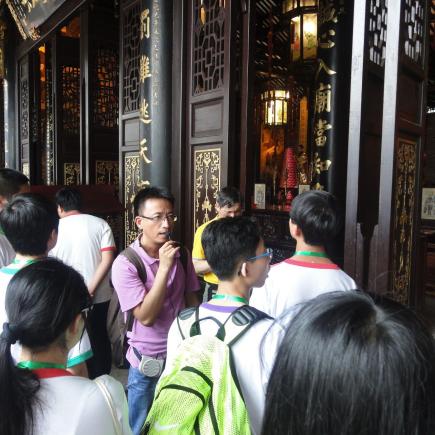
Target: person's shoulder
202 227
114 387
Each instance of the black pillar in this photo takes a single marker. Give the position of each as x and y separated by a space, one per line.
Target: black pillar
331 100
156 85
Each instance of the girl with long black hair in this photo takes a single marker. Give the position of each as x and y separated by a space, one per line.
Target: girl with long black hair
46 303
352 364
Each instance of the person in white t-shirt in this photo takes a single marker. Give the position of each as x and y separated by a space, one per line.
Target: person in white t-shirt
46 303
314 222
235 251
86 243
12 183
30 222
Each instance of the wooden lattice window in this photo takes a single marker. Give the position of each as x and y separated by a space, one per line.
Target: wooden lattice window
208 45
377 31
413 15
105 78
131 58
70 83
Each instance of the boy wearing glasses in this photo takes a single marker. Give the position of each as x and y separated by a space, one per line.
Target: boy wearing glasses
236 253
170 286
314 222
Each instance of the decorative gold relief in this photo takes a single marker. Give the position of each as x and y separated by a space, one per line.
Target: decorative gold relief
207 179
404 219
107 172
71 174
132 184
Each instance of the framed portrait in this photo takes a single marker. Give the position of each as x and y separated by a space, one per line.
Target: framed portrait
428 203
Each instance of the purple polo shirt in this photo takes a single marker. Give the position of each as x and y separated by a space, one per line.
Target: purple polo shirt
151 340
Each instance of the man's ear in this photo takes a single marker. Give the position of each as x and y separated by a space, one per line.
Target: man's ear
52 240
75 329
138 221
244 270
295 231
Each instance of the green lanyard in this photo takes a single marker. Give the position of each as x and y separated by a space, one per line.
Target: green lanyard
23 262
230 298
311 254
34 365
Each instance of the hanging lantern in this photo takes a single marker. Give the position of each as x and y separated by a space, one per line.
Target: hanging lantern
275 103
302 15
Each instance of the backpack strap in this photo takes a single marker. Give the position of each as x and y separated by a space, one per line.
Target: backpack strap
183 258
239 322
133 257
186 319
189 324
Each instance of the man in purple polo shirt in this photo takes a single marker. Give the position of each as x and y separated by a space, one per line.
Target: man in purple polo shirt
169 288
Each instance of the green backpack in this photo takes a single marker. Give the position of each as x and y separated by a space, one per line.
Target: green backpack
201 394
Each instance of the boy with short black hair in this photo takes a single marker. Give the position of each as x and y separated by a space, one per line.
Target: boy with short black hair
12 182
30 222
236 252
228 204
86 243
314 222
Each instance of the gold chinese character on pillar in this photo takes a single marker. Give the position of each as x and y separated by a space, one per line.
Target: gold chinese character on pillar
145 24
144 116
323 98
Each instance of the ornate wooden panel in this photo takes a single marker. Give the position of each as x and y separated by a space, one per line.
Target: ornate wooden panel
207 179
131 183
107 172
131 58
404 200
24 106
71 174
377 31
208 45
105 85
70 88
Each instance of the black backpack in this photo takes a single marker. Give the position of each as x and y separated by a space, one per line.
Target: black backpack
117 323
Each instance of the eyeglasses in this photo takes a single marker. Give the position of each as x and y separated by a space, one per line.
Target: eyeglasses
159 219
267 253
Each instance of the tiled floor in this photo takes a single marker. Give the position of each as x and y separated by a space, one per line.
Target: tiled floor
120 374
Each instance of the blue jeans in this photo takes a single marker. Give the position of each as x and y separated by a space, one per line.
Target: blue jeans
140 397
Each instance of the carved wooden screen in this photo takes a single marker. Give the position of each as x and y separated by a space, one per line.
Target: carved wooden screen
129 111
384 150
211 117
24 114
104 98
68 111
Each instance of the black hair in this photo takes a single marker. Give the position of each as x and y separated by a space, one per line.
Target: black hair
28 221
42 300
228 196
11 182
317 214
229 241
151 193
351 364
69 199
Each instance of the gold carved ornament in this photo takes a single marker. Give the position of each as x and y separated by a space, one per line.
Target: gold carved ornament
206 182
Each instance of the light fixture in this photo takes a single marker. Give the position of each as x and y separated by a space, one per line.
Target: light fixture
275 104
302 15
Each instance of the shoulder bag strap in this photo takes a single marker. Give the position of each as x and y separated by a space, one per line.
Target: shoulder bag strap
108 398
131 255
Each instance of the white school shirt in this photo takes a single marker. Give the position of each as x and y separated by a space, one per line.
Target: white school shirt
253 356
81 352
81 240
72 405
292 282
7 253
